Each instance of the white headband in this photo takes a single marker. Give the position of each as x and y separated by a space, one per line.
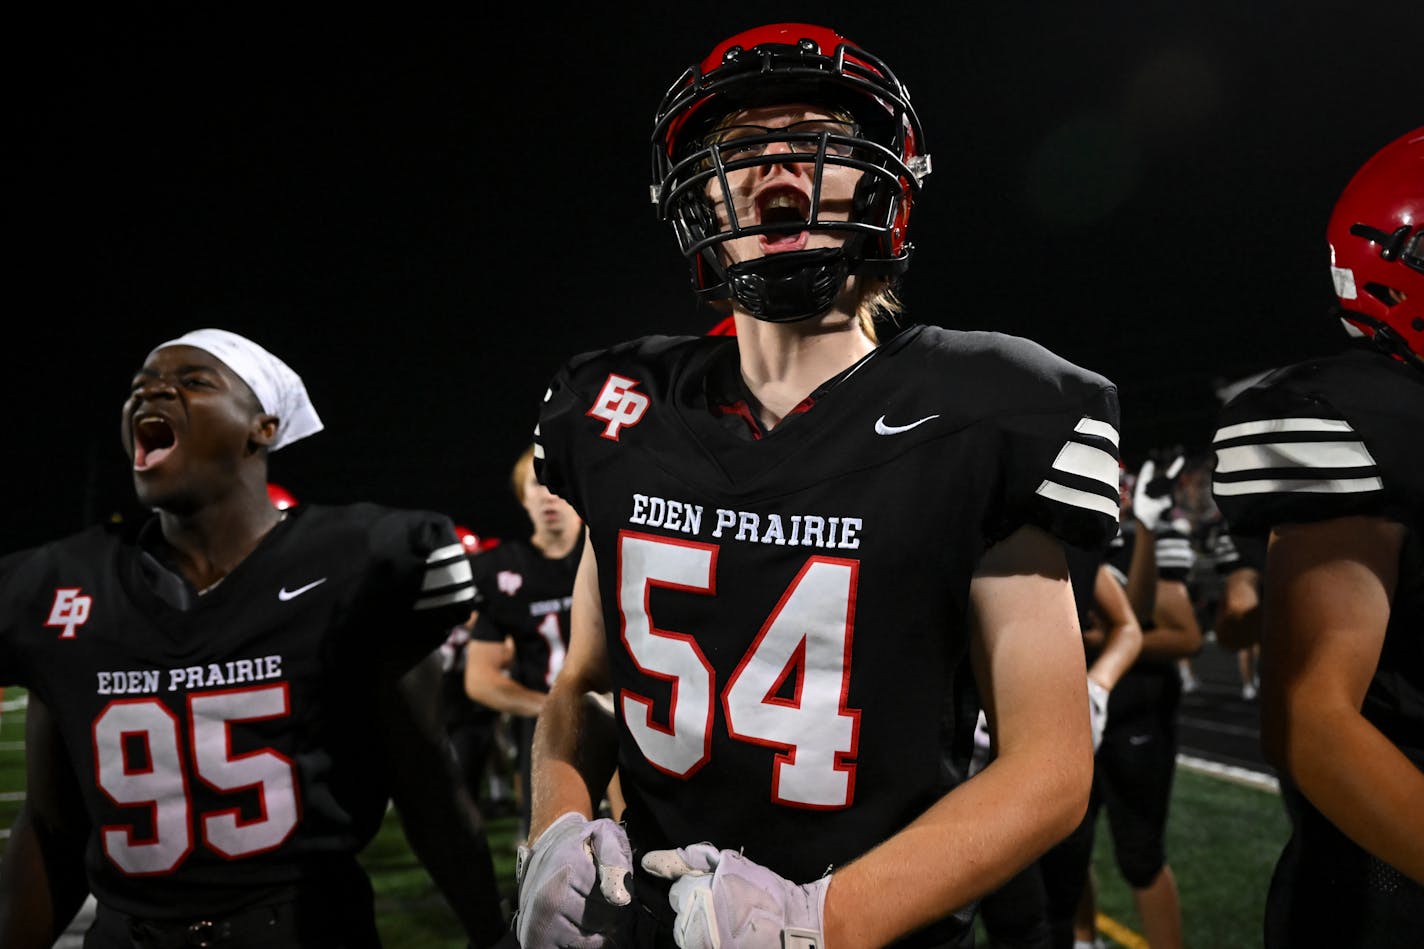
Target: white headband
279 390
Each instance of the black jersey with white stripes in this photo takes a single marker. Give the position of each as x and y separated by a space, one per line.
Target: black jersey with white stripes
1340 437
223 741
786 616
1328 438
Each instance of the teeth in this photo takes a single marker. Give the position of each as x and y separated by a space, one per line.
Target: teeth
783 201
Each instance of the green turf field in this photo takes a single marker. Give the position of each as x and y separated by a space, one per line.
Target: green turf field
1222 842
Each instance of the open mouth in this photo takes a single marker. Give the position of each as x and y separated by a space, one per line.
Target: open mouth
789 209
154 440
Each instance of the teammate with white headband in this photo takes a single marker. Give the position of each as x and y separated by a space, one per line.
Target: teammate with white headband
224 699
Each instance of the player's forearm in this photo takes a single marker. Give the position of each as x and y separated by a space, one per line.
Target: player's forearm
1358 779
503 694
1120 651
1238 622
39 894
1142 573
966 845
1169 643
440 819
573 758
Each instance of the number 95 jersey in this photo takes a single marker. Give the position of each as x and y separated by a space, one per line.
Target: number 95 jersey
225 745
786 611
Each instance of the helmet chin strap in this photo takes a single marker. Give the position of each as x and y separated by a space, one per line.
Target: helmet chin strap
786 288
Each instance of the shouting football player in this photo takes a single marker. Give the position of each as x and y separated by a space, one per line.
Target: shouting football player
799 540
220 705
1326 458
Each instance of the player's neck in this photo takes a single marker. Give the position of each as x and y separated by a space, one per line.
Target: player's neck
554 545
206 545
783 363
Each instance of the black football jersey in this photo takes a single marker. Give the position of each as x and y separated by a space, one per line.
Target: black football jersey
1339 437
1148 687
786 616
224 742
527 596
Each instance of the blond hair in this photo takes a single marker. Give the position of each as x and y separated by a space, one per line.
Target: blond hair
520 472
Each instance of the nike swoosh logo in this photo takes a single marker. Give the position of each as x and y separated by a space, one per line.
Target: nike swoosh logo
882 429
284 594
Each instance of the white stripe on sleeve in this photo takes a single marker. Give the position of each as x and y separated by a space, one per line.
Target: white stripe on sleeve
1083 499
1294 455
1088 462
1273 426
1091 426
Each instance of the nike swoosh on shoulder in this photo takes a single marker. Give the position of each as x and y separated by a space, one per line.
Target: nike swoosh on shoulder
284 594
883 429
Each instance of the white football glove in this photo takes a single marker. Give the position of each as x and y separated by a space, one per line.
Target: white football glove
983 745
725 901
573 887
1097 711
1152 494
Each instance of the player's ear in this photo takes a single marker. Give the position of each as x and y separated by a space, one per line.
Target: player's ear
264 430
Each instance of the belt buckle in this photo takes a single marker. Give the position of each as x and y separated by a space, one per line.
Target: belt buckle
200 934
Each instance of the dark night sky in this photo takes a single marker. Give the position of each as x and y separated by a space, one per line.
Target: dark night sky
426 213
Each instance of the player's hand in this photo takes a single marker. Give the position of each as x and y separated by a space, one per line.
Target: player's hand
1152 495
1097 711
725 901
573 886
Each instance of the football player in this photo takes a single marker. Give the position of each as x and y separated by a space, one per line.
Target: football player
525 591
1240 562
1136 762
203 749
1326 459
799 539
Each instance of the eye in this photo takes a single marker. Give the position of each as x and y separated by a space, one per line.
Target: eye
196 382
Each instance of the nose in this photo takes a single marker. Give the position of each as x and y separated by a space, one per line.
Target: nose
153 388
778 154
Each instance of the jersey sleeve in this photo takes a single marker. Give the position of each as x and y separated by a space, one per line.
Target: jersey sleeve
1060 467
430 585
1285 454
1175 556
553 439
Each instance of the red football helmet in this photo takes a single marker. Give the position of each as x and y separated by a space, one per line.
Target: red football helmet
771 65
280 497
1376 236
727 326
468 538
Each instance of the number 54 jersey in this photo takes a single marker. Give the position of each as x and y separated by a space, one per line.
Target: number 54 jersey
786 611
225 745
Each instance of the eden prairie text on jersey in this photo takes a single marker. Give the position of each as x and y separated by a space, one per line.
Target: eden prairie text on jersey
795 530
149 681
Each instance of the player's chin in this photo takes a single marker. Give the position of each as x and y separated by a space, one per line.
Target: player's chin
161 491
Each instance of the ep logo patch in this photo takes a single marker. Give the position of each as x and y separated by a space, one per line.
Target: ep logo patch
70 609
618 405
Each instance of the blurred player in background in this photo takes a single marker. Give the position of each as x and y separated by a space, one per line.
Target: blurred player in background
1136 764
519 633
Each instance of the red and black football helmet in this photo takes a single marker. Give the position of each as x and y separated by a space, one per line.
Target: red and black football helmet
1376 236
771 65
